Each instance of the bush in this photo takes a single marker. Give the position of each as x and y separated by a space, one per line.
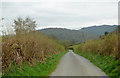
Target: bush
107 45
27 48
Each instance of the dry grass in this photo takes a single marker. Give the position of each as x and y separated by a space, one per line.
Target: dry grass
27 48
0 39
0 55
107 45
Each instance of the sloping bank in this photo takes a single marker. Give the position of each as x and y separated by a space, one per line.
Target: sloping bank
20 53
103 53
108 64
43 69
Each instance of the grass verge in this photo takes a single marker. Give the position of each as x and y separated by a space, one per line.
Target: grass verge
108 64
43 69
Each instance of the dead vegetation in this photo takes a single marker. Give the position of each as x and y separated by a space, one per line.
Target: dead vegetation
27 48
26 45
106 45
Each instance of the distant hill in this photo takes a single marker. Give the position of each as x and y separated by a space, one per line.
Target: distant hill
67 34
92 32
99 30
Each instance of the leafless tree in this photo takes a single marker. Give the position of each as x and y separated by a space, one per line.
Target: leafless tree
24 26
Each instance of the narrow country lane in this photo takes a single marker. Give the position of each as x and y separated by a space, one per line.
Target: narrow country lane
72 64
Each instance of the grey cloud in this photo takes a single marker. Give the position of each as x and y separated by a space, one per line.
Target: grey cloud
65 14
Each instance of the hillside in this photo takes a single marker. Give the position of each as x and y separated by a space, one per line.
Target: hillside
92 32
67 34
99 30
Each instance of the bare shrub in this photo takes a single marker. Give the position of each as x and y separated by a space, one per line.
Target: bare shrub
27 48
107 45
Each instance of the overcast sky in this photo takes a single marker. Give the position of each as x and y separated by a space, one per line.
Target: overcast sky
72 14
